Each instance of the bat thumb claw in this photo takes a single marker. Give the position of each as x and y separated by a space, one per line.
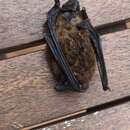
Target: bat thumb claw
107 89
57 3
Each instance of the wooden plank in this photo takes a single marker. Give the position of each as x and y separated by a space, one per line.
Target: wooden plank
117 118
21 22
27 96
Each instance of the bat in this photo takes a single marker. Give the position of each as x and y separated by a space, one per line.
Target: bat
73 46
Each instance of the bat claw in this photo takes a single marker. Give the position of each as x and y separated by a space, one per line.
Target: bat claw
109 89
57 3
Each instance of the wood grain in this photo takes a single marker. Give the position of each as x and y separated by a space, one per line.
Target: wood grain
27 96
22 21
117 118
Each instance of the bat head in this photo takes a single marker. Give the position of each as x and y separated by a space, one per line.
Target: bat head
71 5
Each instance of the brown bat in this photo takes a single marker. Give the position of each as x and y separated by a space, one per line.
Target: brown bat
73 47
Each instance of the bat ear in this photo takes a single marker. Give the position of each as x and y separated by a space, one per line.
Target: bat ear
57 3
84 13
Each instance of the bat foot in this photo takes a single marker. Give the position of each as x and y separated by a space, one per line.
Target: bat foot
67 86
63 86
60 88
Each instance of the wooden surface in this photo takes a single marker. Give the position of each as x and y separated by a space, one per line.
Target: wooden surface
27 96
117 118
22 21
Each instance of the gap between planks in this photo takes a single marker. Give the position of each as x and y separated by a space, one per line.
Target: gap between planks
56 120
40 44
21 52
80 113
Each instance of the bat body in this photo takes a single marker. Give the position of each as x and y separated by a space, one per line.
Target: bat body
77 48
73 47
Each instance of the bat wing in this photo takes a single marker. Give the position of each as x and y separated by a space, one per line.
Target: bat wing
54 45
96 43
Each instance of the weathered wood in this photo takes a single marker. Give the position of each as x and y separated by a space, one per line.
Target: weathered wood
117 118
22 21
27 96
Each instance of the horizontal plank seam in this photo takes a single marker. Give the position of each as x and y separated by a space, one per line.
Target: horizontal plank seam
56 120
81 113
38 45
22 52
